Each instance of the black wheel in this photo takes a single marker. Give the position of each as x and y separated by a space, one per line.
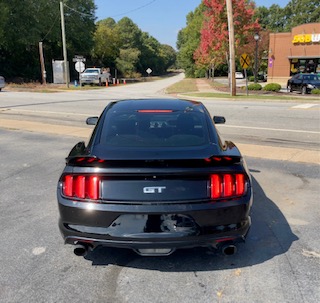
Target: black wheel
304 90
289 88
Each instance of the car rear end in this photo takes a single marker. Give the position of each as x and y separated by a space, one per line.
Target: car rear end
155 204
154 198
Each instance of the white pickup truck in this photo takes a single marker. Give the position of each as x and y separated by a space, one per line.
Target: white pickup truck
95 75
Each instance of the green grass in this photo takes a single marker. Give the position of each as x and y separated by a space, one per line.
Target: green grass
188 87
252 96
185 85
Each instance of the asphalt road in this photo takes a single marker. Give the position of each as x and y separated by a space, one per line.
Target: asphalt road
280 262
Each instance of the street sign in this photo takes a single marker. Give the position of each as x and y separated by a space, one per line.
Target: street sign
244 61
270 62
79 59
80 67
149 70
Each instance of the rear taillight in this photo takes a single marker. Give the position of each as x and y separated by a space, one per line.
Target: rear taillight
80 186
227 185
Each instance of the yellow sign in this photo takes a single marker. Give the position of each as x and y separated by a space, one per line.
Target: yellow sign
244 61
307 38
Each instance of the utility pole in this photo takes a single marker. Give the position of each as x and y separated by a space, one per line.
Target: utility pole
232 65
66 74
43 70
256 38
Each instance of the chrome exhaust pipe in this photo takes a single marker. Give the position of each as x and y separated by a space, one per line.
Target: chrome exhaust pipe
81 250
229 249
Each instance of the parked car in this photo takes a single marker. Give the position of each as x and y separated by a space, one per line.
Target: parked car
155 177
2 83
95 75
239 75
262 76
303 83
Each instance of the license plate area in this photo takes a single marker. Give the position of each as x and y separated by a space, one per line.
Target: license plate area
149 252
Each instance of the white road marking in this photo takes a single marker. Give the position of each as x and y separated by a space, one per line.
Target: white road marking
43 112
305 106
272 129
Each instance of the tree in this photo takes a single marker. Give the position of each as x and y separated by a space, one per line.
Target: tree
169 56
249 49
126 63
188 41
271 19
296 12
158 57
214 42
25 23
150 55
130 50
106 43
129 33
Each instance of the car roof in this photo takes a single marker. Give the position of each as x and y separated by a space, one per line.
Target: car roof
157 104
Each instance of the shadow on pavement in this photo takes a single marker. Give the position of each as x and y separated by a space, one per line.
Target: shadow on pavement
270 235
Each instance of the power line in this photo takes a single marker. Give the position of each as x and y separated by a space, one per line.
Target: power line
80 13
134 10
53 24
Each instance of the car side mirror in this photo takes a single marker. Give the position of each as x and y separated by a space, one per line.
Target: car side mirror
92 120
219 120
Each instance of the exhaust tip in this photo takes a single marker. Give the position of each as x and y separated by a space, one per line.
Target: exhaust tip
229 250
80 250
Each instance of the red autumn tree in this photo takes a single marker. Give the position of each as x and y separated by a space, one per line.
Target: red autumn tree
214 43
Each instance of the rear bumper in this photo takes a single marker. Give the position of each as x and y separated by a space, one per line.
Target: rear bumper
154 226
154 241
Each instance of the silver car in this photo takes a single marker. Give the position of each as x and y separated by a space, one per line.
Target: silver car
2 83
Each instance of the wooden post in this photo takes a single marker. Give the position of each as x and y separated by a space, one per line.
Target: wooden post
43 70
232 64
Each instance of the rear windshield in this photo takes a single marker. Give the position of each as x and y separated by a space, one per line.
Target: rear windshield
148 128
93 71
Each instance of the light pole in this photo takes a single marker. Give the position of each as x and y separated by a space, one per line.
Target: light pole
256 37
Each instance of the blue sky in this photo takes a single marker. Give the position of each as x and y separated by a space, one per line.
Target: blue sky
162 19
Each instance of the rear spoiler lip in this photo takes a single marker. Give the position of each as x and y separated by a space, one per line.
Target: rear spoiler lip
87 159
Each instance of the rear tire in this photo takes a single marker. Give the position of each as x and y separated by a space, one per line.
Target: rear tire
289 88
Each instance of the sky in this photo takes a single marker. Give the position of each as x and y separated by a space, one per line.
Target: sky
162 19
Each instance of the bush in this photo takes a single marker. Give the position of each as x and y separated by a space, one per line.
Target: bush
272 87
251 78
315 91
254 86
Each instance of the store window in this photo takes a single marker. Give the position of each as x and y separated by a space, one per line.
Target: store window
311 65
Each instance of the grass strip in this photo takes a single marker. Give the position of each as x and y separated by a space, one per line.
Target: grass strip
185 85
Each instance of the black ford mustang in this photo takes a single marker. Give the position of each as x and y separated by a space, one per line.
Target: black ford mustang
155 176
